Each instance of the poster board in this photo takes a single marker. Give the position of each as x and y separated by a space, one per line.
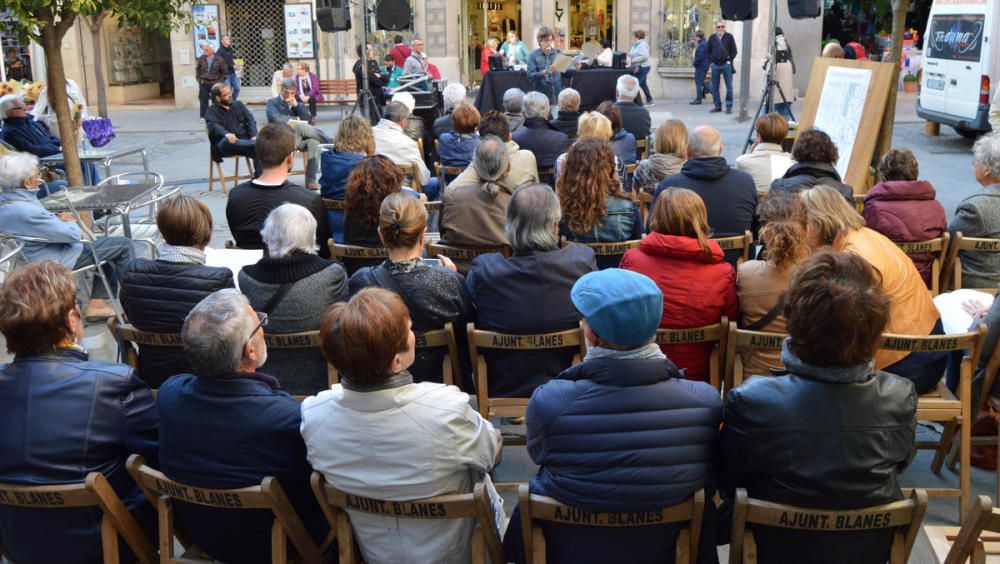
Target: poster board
299 40
206 26
847 99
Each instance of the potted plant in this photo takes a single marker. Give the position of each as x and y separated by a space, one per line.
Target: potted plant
909 83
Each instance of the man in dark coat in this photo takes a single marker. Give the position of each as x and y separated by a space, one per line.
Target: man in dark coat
700 67
231 128
209 70
635 118
721 53
226 52
538 136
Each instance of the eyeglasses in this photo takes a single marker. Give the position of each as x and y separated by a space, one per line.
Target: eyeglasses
720 27
263 323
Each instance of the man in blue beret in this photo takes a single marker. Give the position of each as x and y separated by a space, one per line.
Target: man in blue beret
621 432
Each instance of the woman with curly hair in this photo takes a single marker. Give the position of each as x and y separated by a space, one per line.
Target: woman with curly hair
354 142
370 182
698 285
595 208
759 283
815 156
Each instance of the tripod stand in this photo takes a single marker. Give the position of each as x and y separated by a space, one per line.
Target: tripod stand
766 101
365 102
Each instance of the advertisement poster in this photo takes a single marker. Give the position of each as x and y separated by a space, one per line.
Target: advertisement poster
206 26
299 42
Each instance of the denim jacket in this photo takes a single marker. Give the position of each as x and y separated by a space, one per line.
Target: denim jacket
622 223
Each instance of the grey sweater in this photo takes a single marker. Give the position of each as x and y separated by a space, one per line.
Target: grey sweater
658 166
979 216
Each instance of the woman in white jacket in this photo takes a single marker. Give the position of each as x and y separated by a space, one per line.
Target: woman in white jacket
638 57
768 159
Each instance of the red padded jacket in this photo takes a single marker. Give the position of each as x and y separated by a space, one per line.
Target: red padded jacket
698 289
905 210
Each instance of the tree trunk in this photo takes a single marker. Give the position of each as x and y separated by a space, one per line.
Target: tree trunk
899 9
52 34
94 23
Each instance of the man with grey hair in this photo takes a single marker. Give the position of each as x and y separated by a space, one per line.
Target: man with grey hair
392 142
472 215
635 118
568 117
228 426
528 292
288 108
730 194
453 95
513 106
209 70
538 136
979 215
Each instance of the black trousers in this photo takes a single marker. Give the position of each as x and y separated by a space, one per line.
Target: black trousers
204 92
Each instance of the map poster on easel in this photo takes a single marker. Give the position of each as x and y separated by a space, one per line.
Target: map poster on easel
847 99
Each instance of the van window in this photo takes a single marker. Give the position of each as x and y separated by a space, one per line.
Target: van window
956 37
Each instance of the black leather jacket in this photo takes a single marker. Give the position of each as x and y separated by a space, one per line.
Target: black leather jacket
821 437
64 416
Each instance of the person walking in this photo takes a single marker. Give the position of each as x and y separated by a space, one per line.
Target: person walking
210 70
721 53
638 57
701 65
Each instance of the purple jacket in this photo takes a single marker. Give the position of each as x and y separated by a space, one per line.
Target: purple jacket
905 210
313 87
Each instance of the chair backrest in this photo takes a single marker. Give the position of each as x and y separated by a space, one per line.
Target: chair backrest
859 202
475 505
303 340
982 516
10 250
443 172
491 340
640 148
904 517
715 333
607 255
340 251
533 508
334 204
645 205
413 172
445 337
742 242
951 272
162 491
131 335
94 491
743 340
464 253
938 246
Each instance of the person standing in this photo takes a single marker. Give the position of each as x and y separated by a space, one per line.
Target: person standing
541 65
226 52
515 52
376 80
721 53
784 70
488 49
638 57
399 51
210 70
700 67
414 63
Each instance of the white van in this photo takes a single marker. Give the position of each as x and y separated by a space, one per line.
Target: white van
961 64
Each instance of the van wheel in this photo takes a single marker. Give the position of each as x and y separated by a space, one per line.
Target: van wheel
970 134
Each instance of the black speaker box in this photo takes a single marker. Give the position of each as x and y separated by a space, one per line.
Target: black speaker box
393 15
738 10
333 15
804 9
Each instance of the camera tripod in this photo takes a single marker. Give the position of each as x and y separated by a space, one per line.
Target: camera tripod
366 102
767 102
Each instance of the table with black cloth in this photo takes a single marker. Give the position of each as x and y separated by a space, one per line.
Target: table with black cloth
495 83
595 85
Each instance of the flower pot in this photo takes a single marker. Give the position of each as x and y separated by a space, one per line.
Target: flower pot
909 87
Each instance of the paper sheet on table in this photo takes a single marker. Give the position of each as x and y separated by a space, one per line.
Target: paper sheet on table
563 62
780 163
496 502
953 317
233 259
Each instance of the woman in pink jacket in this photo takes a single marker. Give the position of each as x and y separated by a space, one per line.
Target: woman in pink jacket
308 89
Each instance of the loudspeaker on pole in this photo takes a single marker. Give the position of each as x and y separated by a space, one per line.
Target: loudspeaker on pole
333 15
393 15
738 10
804 9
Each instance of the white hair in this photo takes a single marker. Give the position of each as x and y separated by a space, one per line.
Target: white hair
536 105
6 103
288 228
513 100
16 168
453 95
627 87
987 153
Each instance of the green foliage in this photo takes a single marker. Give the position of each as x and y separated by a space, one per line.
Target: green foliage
158 16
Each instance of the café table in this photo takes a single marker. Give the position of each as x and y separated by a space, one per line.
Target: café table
113 199
103 156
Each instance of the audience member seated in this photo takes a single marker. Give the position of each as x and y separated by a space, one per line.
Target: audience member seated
392 142
523 168
293 287
625 382
410 440
22 132
729 194
671 150
457 146
622 142
905 209
569 112
308 89
815 158
538 136
232 130
835 223
250 203
354 142
607 56
760 161
759 283
848 428
369 183
64 416
528 292
595 209
21 214
635 118
158 294
593 125
287 107
472 215
979 215
225 425
434 295
513 108
698 286
451 97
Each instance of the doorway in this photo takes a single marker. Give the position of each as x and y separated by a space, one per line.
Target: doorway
590 21
482 20
258 31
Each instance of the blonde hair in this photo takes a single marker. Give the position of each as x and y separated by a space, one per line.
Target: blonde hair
672 138
593 125
830 212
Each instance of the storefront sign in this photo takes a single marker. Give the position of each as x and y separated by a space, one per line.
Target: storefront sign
206 25
299 41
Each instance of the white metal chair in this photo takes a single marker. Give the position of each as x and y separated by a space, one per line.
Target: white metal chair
144 229
10 251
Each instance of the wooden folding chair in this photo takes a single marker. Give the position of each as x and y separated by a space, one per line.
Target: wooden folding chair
978 537
490 340
413 172
904 517
435 206
938 246
742 340
859 202
450 366
641 146
133 339
299 341
163 492
608 255
645 206
534 508
463 256
216 167
355 257
334 204
951 272
444 171
716 333
476 505
94 491
742 242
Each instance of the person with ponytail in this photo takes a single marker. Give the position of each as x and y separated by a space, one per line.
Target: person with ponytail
472 215
434 295
759 283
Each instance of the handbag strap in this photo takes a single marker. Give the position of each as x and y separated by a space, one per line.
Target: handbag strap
383 278
276 298
770 316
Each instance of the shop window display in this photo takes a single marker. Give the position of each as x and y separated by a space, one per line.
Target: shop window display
681 19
